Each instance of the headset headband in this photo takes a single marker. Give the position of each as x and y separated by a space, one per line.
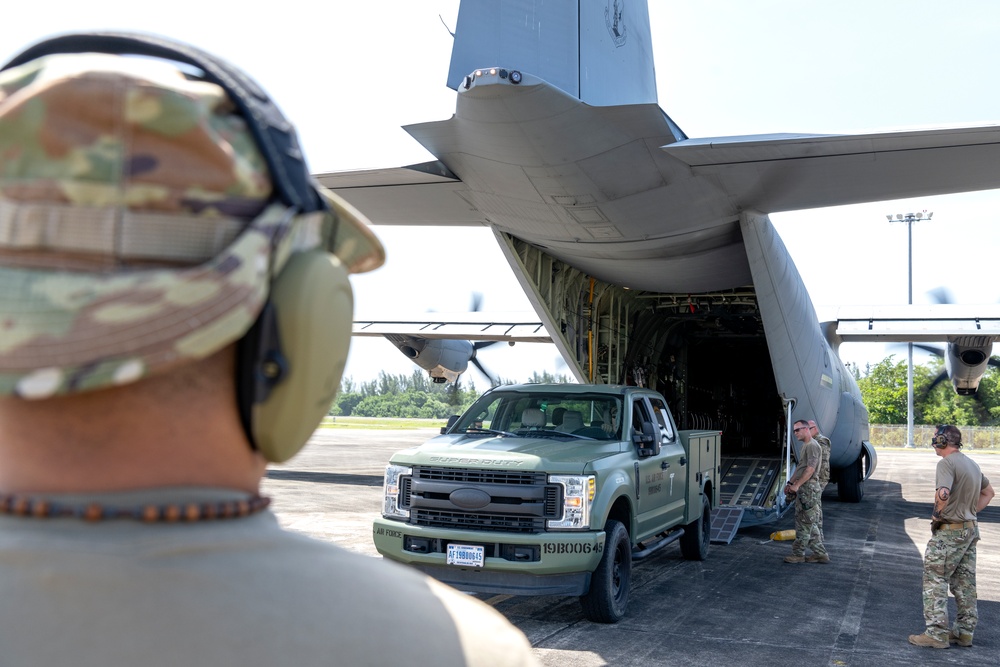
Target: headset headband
275 136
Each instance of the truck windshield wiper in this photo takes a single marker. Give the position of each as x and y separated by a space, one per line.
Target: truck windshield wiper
491 431
544 433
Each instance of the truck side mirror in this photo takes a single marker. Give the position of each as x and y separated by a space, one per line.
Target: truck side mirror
648 441
451 422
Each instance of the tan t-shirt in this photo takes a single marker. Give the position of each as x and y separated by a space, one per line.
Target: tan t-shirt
811 456
964 481
227 593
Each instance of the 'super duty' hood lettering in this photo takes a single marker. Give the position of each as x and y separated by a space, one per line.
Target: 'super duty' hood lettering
455 460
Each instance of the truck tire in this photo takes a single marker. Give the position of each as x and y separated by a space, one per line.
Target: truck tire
850 485
607 599
698 533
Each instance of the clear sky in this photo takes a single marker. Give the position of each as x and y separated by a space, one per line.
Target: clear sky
350 74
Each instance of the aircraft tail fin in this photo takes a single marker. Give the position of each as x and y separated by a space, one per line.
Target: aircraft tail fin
597 50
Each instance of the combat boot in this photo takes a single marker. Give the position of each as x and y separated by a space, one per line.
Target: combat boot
926 640
960 638
795 558
816 558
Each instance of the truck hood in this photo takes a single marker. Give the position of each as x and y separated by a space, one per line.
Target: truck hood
549 454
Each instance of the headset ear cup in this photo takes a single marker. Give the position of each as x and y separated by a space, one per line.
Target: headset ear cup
314 306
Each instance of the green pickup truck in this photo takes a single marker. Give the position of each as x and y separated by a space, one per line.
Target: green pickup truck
551 489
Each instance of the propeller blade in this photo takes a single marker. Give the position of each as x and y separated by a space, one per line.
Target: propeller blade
941 295
930 349
942 376
477 302
936 351
483 343
494 381
454 391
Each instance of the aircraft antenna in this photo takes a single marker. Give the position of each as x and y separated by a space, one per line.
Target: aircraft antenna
446 26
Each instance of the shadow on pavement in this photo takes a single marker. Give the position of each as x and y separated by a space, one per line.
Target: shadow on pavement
745 606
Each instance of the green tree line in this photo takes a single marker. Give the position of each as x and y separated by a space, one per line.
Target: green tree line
883 389
412 396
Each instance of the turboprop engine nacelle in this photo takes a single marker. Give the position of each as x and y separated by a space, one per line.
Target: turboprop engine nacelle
966 362
443 359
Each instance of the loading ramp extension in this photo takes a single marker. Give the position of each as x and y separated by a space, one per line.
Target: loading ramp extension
745 485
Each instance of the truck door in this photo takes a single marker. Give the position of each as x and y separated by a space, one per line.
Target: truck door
673 452
660 482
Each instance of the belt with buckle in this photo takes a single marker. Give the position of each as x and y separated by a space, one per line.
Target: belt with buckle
958 526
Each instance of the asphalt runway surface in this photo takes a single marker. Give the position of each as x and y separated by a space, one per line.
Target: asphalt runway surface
741 606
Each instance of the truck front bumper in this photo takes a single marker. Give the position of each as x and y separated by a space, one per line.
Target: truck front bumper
556 563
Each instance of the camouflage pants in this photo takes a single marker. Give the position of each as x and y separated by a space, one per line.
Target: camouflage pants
822 487
950 562
809 520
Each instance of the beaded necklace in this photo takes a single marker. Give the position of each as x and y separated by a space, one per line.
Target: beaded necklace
39 508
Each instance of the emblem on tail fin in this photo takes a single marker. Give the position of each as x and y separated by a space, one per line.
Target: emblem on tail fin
615 20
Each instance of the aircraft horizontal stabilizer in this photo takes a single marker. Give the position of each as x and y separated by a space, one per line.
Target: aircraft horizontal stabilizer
420 194
784 172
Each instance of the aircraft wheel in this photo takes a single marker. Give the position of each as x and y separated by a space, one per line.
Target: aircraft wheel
698 533
850 484
607 599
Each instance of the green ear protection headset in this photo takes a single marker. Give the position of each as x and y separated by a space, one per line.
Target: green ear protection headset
940 440
290 362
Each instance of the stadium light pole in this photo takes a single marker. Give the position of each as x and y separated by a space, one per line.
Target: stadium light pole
909 219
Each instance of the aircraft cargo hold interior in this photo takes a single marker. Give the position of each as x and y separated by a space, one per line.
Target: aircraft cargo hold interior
706 353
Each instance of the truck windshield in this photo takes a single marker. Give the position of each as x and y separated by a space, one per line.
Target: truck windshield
532 413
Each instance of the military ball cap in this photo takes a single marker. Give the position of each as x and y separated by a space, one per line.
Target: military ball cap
138 223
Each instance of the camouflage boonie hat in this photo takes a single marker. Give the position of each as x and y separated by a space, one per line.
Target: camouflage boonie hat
138 226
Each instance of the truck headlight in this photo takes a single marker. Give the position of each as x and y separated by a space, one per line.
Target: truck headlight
391 491
578 495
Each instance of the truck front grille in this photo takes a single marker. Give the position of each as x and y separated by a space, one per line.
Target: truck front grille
468 520
509 501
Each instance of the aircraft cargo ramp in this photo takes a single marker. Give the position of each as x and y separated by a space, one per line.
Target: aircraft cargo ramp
747 491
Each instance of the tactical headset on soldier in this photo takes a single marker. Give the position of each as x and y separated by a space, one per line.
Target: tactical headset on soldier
284 272
940 439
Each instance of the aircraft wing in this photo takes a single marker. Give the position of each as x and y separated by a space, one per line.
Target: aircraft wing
784 172
916 324
860 324
464 326
420 194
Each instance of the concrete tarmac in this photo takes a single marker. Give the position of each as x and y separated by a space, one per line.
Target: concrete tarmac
742 606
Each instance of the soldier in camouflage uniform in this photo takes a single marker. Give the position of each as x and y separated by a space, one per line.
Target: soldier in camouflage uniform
804 485
146 233
961 492
823 474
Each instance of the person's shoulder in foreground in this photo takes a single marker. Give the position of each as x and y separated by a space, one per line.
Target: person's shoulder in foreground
243 592
176 312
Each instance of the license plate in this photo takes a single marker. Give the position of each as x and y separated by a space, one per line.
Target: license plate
465 554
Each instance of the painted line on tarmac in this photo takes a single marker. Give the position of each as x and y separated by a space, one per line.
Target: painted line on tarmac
850 626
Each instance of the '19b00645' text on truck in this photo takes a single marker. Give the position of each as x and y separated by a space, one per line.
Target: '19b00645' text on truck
551 490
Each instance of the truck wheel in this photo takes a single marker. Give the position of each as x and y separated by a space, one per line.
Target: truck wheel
698 533
607 598
850 486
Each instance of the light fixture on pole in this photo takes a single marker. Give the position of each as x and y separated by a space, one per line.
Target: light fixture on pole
909 219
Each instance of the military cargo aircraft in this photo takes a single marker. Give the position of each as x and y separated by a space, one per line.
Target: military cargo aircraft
648 256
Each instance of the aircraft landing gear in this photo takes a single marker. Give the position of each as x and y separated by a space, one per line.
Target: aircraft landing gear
851 483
